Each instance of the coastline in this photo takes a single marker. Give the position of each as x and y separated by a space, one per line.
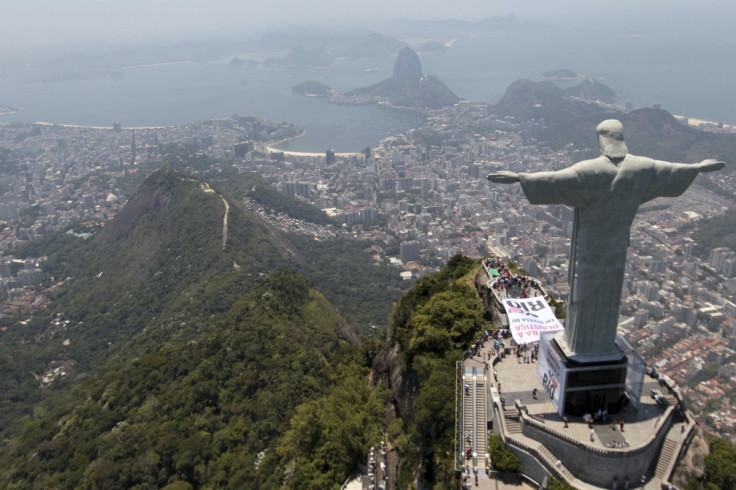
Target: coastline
110 128
269 147
697 123
10 111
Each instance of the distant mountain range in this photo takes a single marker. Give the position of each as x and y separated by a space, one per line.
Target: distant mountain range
449 28
568 119
320 49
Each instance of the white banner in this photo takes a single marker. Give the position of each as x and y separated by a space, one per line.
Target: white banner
530 317
552 372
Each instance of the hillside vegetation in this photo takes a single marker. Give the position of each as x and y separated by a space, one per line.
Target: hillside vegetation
718 231
215 412
158 274
431 327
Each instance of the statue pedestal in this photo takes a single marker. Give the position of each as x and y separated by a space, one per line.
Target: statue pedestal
593 382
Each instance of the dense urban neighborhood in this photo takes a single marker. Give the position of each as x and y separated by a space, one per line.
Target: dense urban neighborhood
418 199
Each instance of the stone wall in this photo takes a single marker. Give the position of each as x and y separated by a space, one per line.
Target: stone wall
532 467
595 465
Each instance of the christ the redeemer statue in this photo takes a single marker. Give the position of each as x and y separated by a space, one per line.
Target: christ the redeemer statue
606 193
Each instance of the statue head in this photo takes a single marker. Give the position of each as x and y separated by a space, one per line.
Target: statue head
611 139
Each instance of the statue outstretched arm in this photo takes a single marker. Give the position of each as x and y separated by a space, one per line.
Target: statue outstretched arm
711 165
674 178
504 177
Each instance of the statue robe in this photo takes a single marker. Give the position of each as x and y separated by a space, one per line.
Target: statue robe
606 197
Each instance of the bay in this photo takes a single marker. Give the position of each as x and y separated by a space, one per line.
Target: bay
686 76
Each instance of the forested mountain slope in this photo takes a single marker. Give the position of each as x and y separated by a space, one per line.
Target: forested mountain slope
158 274
212 412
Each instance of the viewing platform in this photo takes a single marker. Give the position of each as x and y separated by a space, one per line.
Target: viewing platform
639 447
654 433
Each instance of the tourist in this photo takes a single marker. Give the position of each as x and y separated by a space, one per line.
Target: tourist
592 435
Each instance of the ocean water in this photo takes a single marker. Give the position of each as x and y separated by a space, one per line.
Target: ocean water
693 77
181 93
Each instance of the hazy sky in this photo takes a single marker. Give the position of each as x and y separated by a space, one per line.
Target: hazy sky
34 23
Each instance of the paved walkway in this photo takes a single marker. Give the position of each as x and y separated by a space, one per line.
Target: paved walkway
519 379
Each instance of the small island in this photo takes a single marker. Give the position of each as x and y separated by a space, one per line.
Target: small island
562 74
312 88
239 63
6 110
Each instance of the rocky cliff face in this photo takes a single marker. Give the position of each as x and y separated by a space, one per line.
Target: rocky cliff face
692 464
408 65
408 87
391 372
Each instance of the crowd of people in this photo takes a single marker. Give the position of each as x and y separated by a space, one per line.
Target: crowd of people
511 284
503 345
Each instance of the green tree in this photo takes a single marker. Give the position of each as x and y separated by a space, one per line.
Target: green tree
720 465
555 484
502 459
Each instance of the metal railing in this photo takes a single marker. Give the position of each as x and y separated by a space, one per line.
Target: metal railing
459 415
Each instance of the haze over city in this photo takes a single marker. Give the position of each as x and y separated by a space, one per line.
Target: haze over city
46 23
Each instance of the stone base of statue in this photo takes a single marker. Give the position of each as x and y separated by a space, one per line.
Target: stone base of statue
592 382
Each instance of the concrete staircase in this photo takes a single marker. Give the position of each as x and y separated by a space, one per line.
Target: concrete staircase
511 421
551 461
666 455
671 400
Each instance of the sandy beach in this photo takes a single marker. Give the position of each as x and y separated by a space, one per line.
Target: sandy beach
700 122
110 128
269 147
